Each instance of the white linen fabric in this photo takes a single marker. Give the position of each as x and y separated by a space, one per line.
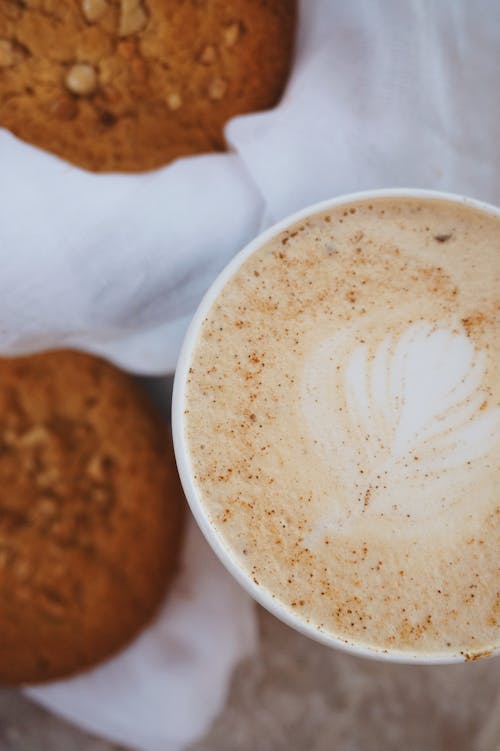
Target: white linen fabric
383 94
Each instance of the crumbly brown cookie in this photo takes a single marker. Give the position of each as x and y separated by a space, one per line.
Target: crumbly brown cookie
129 85
90 513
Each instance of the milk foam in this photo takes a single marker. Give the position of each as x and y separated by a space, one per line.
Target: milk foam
342 420
399 414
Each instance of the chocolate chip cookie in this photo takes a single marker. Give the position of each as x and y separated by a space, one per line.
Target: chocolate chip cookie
90 514
129 85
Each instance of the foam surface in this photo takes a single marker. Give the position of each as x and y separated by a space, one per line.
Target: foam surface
342 418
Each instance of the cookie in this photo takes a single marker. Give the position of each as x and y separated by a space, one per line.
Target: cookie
129 85
90 514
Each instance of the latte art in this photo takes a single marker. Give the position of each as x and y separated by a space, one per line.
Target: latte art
342 415
399 417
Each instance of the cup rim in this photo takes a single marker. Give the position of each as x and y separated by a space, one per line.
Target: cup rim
258 593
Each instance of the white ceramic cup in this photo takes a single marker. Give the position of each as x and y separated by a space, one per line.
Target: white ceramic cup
182 455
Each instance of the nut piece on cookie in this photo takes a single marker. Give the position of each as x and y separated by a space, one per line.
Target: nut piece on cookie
93 10
231 34
174 101
207 55
6 53
133 17
81 79
97 467
217 88
36 435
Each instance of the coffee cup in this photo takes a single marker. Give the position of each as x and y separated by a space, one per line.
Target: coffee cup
335 419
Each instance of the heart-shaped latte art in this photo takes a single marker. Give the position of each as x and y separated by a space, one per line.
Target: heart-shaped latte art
404 422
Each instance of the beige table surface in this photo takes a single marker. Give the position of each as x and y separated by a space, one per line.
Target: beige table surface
296 695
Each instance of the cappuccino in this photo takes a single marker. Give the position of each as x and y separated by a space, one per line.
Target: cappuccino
341 418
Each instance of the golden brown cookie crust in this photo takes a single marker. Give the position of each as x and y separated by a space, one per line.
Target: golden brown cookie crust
129 85
90 513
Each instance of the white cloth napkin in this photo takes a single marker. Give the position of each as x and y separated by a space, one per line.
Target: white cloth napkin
383 93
